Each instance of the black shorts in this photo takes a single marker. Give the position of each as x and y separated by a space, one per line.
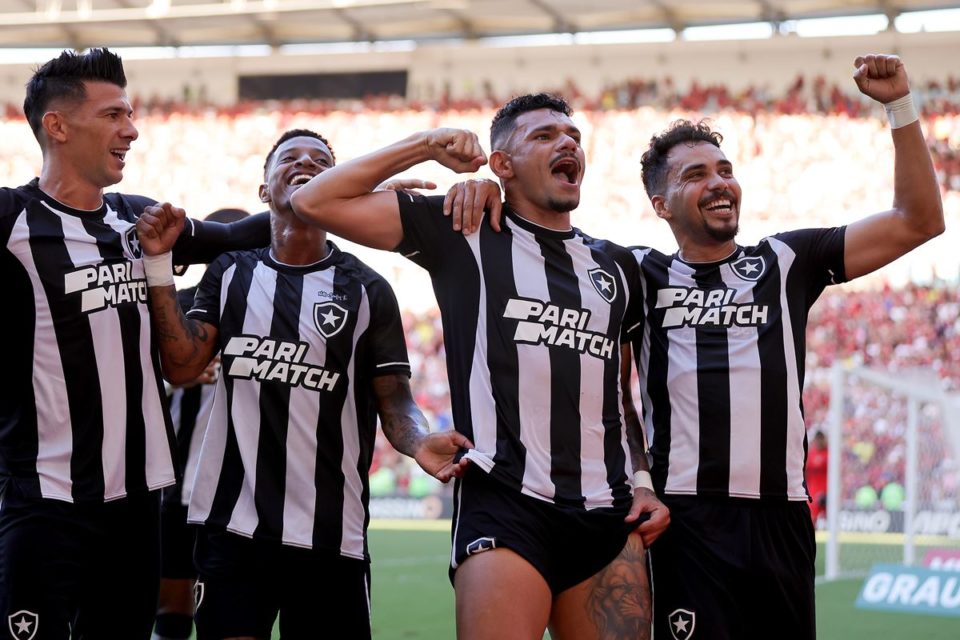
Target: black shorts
244 584
95 567
566 545
735 568
177 539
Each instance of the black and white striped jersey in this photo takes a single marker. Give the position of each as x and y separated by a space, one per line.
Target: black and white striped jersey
720 356
290 439
82 416
532 322
82 413
190 409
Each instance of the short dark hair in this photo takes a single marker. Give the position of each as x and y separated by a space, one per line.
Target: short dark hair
506 117
63 78
297 133
654 161
227 215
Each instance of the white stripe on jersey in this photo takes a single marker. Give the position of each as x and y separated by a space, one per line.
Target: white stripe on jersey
593 470
300 495
351 543
684 407
533 396
745 400
53 442
246 403
214 440
483 411
796 429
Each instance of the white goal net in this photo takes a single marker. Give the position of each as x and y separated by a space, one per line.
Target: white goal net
892 492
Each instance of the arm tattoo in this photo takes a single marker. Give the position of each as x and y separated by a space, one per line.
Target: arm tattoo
174 327
401 420
619 600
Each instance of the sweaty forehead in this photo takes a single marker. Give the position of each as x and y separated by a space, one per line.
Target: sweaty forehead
543 118
685 155
302 144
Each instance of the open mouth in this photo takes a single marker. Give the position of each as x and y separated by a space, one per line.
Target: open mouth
298 180
119 154
719 206
566 170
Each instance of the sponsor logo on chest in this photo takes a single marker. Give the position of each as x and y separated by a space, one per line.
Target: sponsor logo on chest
692 307
105 285
544 323
272 360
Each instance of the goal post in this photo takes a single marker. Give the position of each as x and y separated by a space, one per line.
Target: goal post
914 424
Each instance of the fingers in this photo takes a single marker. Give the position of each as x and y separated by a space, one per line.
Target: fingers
402 184
453 204
457 149
877 66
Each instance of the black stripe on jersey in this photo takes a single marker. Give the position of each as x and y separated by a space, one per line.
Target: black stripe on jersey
713 396
231 470
329 479
565 446
656 382
275 414
110 246
18 414
773 405
75 343
459 317
190 402
500 282
613 454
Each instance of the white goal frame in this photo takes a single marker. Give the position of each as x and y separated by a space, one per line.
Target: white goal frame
916 395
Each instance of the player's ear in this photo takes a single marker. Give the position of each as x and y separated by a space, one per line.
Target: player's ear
501 164
54 126
660 207
264 193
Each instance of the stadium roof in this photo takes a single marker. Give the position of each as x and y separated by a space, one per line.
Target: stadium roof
128 23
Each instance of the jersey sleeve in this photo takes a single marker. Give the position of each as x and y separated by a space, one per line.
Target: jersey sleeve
202 241
633 315
11 204
386 345
820 253
206 301
426 231
636 316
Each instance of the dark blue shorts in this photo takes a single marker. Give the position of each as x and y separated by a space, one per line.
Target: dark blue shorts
566 545
95 567
244 584
734 569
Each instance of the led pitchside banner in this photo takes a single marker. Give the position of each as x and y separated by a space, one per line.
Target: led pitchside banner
942 559
926 522
404 507
894 587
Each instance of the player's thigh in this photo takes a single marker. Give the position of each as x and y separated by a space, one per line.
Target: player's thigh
783 592
326 596
613 603
698 571
500 596
237 592
119 597
41 566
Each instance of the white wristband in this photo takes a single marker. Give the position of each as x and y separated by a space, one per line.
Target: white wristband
642 479
158 269
901 112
